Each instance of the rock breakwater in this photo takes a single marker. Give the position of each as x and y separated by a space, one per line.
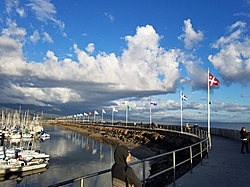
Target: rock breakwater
143 143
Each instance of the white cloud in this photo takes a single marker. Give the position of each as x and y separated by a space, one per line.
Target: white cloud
45 11
143 66
190 37
35 37
14 31
47 37
21 12
111 17
90 48
233 58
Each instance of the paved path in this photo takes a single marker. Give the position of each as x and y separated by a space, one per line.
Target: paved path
224 167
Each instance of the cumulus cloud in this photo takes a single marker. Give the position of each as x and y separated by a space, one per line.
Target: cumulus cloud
14 31
190 37
90 48
233 58
143 69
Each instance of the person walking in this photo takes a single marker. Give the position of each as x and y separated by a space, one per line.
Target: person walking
244 139
122 174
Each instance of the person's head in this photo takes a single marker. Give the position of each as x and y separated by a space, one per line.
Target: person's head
122 154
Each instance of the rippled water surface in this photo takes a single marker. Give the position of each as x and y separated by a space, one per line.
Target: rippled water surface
71 155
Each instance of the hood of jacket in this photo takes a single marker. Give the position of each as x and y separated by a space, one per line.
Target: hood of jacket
120 154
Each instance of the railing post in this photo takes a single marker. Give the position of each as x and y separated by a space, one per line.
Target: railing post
201 151
174 167
191 159
144 175
82 183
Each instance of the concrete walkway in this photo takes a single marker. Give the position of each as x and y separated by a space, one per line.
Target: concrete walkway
224 167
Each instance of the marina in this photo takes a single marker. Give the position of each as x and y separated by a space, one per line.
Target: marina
71 155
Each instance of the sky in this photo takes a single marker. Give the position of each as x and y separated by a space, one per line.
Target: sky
79 56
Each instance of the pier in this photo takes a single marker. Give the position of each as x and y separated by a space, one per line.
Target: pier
225 167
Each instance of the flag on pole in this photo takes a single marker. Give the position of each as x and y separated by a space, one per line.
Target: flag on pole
90 113
96 113
115 110
129 108
213 81
85 114
153 103
183 97
103 111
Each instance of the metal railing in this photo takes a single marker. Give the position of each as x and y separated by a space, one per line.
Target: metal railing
196 151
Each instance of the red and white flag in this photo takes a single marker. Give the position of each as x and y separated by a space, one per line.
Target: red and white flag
213 81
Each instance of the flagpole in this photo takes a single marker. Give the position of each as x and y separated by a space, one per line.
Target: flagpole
102 116
126 115
150 114
181 109
94 116
208 110
112 115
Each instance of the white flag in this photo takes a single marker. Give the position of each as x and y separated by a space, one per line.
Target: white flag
85 114
115 110
96 113
103 111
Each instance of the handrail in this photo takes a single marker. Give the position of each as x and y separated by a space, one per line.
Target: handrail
203 147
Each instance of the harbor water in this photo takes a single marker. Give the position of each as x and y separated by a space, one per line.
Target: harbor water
71 155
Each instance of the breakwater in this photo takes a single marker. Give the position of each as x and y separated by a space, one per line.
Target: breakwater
143 143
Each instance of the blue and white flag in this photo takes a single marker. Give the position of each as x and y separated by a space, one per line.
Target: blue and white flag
183 97
85 114
153 103
96 113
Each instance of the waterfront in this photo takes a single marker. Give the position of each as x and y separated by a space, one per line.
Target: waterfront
71 155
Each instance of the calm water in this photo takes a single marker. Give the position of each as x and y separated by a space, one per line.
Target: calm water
71 155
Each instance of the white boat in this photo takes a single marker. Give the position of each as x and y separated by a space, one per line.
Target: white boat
14 168
24 154
15 136
43 134
20 175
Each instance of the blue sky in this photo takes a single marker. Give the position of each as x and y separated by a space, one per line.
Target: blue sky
79 56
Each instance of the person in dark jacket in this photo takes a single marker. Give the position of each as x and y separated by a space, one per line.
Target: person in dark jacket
122 174
244 139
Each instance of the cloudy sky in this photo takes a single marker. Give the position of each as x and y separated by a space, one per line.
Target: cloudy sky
79 56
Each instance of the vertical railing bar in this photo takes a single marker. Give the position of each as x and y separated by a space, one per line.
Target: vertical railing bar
201 152
191 159
144 171
82 183
174 167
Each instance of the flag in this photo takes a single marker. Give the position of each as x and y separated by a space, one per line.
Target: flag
129 108
90 113
183 97
213 81
85 114
115 110
103 111
96 113
80 114
153 103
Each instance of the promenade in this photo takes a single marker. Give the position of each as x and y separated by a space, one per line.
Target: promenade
224 167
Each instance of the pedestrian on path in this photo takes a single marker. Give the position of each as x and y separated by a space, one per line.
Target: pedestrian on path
244 139
122 174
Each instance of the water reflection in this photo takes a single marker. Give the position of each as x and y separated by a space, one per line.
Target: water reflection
72 155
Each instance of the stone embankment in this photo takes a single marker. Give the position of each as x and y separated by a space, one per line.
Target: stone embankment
143 143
